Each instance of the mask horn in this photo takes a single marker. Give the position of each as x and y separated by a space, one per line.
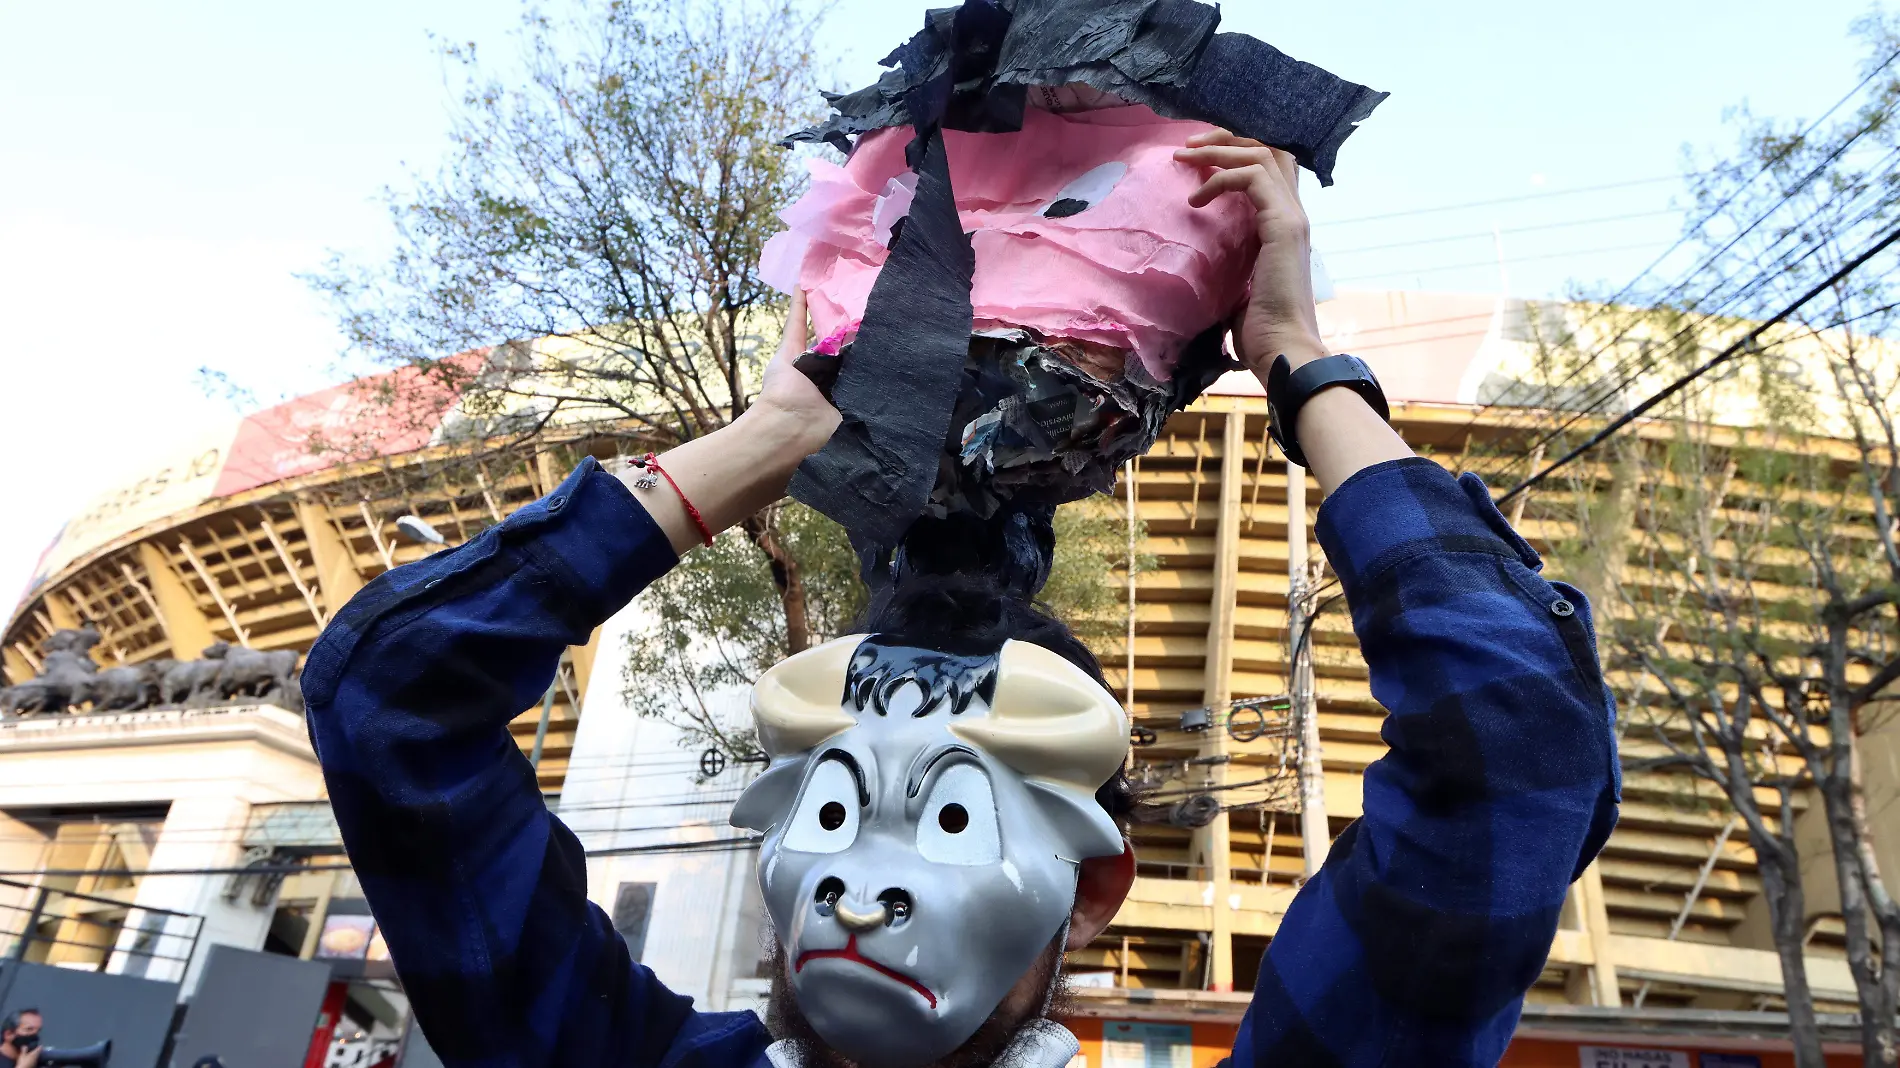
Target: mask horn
800 701
1051 721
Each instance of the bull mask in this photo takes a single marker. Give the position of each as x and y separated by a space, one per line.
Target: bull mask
925 815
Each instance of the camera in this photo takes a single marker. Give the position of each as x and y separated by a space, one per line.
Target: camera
93 1056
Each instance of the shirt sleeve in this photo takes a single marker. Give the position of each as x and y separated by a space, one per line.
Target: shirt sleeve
1434 912
479 891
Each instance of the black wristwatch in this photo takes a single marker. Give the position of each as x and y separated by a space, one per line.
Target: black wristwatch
1288 391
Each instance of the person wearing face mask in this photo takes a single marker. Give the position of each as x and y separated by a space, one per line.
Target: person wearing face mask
945 810
20 1039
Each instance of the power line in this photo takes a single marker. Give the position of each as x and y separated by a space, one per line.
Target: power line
1493 262
1736 349
1482 234
1624 373
1697 228
1627 373
1503 200
215 836
716 845
1764 169
639 767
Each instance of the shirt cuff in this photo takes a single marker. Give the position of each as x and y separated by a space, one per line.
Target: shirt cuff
593 537
1390 512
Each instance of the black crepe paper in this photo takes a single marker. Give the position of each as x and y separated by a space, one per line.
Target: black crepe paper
912 380
1162 53
898 387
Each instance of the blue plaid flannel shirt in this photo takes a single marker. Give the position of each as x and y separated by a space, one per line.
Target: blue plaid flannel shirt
1413 946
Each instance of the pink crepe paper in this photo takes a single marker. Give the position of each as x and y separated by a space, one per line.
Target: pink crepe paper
1140 269
834 341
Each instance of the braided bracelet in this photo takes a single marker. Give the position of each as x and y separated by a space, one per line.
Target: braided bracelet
649 466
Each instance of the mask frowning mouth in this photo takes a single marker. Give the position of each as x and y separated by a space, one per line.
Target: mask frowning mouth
850 953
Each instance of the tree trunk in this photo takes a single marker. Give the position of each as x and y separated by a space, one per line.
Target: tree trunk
1886 916
1787 916
1862 956
1889 988
787 578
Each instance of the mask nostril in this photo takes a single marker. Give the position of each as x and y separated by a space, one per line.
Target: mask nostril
830 891
897 906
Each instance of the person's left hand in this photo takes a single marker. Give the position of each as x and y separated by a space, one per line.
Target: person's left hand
786 391
1280 316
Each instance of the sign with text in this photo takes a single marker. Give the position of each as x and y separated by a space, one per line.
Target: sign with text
1145 1045
1616 1057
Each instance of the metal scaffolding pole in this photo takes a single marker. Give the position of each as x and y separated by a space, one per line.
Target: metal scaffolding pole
1315 837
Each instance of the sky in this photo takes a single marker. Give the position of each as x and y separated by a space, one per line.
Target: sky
166 172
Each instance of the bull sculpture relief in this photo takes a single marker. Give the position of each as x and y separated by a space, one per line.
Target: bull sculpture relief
69 680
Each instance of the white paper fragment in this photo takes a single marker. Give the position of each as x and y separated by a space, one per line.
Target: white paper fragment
1092 188
892 206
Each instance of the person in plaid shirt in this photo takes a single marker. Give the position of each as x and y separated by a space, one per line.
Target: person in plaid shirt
1414 945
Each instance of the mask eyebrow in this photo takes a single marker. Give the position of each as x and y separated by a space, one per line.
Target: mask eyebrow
917 777
851 764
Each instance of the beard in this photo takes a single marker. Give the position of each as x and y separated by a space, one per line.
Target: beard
1042 991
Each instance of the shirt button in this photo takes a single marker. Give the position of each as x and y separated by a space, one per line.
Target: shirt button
431 584
555 503
1562 609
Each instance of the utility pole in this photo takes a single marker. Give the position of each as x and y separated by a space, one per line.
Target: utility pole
1315 837
1128 701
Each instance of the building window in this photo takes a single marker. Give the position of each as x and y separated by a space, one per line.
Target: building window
633 906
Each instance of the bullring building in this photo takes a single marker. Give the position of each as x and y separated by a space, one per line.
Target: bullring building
163 821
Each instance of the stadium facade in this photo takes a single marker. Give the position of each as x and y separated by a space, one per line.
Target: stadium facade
256 535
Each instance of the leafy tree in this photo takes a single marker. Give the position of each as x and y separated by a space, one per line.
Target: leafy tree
586 254
1741 544
583 267
705 637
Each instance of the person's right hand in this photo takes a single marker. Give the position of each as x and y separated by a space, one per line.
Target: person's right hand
785 389
1339 432
29 1059
1280 316
743 467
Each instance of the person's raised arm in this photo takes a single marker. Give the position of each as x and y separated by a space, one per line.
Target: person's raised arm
1340 434
1434 911
479 892
733 473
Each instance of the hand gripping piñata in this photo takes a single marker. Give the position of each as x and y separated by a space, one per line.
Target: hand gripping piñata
1006 268
1013 295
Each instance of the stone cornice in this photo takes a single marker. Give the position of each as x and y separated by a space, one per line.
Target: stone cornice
268 725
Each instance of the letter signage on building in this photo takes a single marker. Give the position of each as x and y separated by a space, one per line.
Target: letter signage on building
1619 1057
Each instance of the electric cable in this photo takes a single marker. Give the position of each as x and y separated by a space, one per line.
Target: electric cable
1762 277
1697 227
718 845
1414 212
1643 366
1478 235
1724 356
1304 638
1440 269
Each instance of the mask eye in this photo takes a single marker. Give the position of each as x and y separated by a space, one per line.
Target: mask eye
827 816
958 825
1086 192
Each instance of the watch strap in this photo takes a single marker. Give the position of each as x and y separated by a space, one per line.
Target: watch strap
1288 390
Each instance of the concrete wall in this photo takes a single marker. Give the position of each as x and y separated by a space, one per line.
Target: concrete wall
261 753
199 833
210 766
22 849
631 787
1880 769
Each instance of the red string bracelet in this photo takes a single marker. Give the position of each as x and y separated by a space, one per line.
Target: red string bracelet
649 466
